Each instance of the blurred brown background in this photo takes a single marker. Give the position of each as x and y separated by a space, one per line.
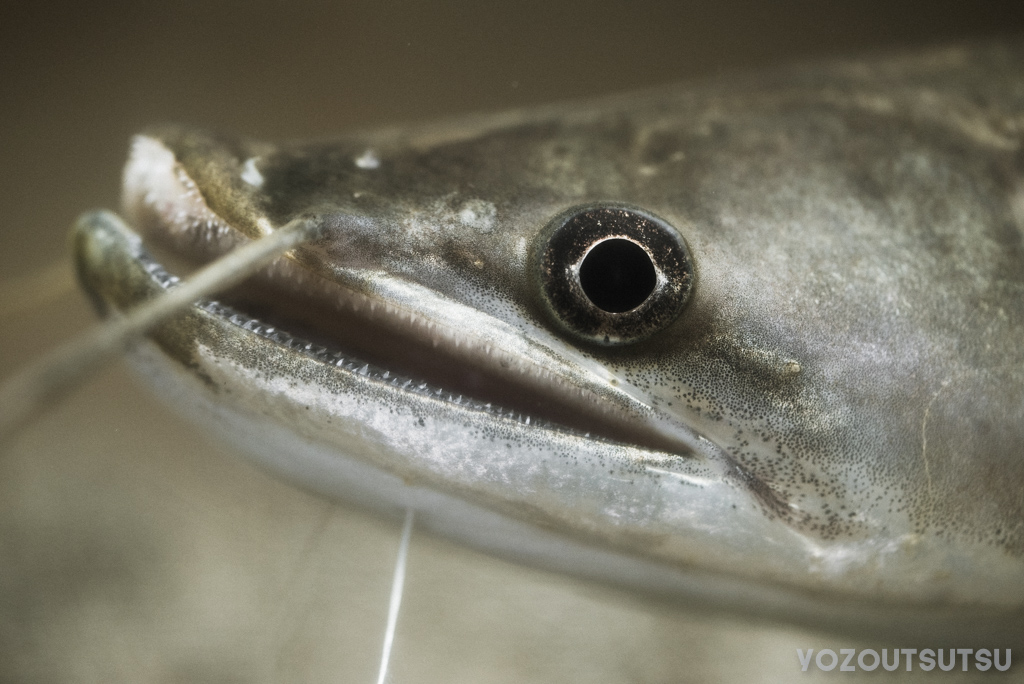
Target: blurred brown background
134 549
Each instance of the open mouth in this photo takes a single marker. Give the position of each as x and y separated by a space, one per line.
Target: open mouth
359 331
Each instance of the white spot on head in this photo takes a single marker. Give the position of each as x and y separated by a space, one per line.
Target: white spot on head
250 174
265 226
478 214
368 160
521 248
149 175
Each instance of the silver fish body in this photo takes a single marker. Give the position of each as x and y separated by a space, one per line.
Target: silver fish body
831 430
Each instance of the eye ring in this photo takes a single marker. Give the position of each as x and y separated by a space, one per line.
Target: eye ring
612 274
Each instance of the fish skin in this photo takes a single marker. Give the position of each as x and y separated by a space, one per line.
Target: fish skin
851 346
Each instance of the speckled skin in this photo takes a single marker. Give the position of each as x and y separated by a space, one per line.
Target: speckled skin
839 410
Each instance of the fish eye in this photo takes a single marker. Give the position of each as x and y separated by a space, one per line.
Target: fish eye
612 274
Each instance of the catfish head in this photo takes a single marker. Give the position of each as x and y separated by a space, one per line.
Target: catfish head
754 344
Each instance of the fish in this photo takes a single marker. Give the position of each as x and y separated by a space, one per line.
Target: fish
749 344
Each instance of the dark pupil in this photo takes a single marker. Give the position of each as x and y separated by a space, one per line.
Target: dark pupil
617 275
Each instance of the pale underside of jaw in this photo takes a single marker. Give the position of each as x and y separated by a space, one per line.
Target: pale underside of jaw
395 324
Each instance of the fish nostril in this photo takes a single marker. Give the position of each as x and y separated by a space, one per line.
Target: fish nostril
617 275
